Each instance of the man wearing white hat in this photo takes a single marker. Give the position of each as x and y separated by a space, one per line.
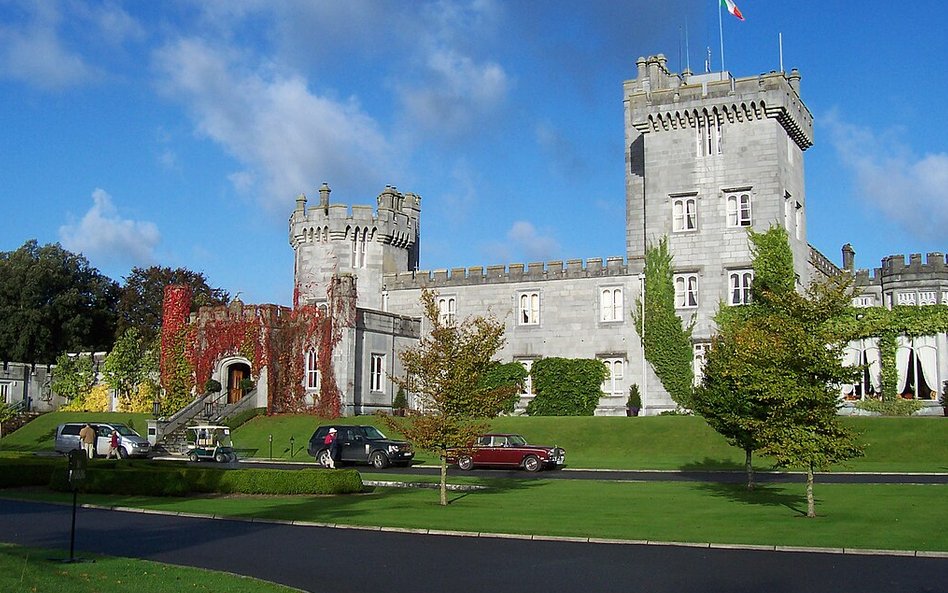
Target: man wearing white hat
330 442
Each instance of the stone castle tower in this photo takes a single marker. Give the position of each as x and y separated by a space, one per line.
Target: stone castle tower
366 243
708 157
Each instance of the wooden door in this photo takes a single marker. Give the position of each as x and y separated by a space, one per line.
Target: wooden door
234 392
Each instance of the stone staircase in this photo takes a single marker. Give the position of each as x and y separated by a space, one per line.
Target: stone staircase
211 408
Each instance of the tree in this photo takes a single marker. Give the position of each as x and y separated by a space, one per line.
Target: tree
771 374
73 377
667 340
53 301
727 397
446 371
124 367
143 292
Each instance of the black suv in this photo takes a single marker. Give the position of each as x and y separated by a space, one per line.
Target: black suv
361 444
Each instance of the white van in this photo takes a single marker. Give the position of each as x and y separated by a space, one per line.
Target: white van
131 444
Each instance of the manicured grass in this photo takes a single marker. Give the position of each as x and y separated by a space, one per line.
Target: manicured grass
31 569
879 516
658 442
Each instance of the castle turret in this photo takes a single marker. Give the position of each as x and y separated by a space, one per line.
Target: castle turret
361 241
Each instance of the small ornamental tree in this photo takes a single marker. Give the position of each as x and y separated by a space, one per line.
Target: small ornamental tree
124 367
73 376
446 372
667 339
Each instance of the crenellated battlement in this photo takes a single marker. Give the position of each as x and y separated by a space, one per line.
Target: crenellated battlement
661 100
393 221
935 265
502 274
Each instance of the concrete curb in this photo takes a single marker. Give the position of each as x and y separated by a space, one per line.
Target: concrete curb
537 538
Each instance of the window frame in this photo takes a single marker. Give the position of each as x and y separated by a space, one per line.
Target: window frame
684 213
529 316
739 208
687 296
376 372
312 378
614 379
611 304
745 279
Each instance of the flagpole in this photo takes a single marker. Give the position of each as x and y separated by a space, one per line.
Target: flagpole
721 34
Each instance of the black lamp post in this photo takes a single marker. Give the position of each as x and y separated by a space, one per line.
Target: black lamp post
155 408
292 442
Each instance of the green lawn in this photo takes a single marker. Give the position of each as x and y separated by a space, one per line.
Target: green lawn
658 442
31 569
851 516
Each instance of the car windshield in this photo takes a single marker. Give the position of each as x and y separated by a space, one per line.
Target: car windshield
373 433
515 440
124 430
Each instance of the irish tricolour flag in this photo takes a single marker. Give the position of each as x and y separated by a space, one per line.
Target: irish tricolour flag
732 8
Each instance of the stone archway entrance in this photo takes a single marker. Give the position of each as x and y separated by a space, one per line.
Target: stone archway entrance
236 373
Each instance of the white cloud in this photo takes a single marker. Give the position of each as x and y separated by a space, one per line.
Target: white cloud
281 132
105 236
36 55
524 244
908 188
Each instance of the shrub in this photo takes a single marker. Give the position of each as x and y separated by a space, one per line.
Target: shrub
566 386
635 397
894 407
212 386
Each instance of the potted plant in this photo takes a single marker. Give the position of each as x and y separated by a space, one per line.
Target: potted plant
634 404
246 385
212 386
400 403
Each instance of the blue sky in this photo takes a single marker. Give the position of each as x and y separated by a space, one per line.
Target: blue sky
179 133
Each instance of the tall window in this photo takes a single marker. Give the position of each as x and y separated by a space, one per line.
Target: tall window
701 354
610 304
798 221
739 284
684 214
447 309
529 308
528 381
709 135
358 247
686 290
738 210
312 370
377 372
787 212
863 353
4 393
613 383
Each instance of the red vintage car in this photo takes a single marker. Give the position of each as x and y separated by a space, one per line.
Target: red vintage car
507 450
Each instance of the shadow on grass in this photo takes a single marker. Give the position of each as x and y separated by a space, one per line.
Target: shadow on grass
709 464
761 495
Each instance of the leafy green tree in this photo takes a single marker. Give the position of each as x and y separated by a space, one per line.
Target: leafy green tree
124 367
446 371
667 339
771 374
6 414
73 376
510 375
53 301
726 399
143 292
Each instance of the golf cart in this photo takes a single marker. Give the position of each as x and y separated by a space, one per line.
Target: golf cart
207 442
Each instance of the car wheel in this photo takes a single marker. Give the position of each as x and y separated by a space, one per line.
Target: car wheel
220 457
531 463
193 456
323 458
465 462
379 460
122 453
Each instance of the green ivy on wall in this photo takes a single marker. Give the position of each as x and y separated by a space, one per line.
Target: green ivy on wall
566 386
667 339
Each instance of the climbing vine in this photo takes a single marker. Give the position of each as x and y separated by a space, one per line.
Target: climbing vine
667 339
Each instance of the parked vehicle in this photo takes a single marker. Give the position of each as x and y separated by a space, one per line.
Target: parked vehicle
361 444
210 442
507 450
131 444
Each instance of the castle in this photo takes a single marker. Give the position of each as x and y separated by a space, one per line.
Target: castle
708 156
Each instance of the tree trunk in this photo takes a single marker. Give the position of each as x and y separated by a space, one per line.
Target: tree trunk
749 468
444 478
810 505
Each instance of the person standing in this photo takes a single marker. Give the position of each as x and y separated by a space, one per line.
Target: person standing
87 437
330 442
113 445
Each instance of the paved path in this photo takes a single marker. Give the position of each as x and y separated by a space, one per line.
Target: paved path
328 560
